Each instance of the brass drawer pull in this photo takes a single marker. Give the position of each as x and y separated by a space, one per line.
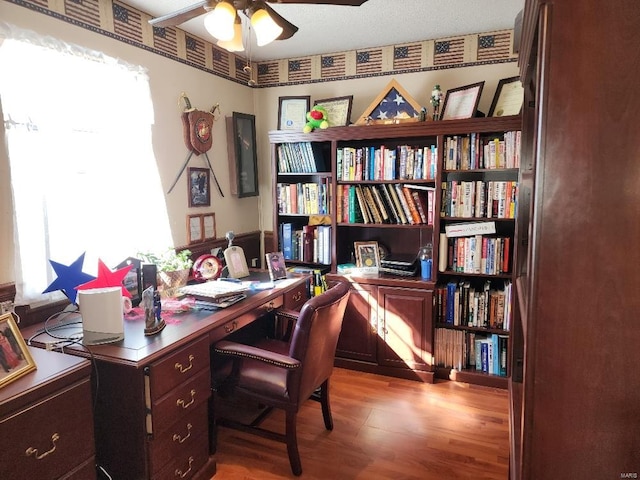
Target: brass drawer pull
297 296
232 327
178 366
179 439
180 402
34 451
270 307
178 473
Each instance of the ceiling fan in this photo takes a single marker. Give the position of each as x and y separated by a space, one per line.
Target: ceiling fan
223 22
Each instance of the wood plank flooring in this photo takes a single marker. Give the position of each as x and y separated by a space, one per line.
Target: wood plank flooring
384 428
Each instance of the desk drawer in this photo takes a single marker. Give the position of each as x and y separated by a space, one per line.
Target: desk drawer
178 367
180 401
186 465
179 439
221 331
50 438
294 299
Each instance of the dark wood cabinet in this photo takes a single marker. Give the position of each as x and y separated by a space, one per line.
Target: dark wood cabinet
574 406
358 339
46 421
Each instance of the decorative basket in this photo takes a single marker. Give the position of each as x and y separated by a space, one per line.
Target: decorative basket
170 282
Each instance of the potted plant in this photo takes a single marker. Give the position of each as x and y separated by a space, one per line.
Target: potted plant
173 268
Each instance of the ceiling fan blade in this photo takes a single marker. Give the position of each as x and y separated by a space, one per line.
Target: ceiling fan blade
288 28
352 3
180 16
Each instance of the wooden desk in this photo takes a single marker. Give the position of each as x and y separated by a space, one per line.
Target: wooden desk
151 417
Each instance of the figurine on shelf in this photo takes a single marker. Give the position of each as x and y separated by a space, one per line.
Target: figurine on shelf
153 323
436 99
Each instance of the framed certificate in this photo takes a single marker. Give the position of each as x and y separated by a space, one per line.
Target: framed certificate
194 229
338 110
292 112
508 98
462 102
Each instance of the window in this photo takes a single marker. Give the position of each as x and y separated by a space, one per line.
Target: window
83 175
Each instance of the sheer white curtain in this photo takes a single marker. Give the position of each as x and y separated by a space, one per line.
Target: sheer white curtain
83 174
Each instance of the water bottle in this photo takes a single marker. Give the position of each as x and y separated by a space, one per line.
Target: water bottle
426 261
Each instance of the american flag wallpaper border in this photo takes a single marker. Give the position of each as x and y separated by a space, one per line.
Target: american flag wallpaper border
128 25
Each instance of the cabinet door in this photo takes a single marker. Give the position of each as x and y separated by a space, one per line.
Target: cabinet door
359 327
405 328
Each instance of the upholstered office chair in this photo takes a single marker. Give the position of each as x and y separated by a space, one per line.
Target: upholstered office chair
285 373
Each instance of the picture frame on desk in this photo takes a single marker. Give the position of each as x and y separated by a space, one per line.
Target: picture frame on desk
462 102
338 110
241 150
199 187
508 98
292 112
15 358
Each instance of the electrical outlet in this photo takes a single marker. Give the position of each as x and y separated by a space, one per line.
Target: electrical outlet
254 262
6 306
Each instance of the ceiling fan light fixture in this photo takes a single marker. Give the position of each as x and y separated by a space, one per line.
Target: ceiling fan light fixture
235 44
267 30
221 21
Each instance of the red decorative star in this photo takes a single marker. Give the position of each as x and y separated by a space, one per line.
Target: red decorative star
107 278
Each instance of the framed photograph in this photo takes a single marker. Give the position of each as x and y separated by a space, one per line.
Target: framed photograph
132 281
15 358
508 98
276 265
194 229
367 254
338 110
392 105
462 102
199 183
241 149
209 226
292 112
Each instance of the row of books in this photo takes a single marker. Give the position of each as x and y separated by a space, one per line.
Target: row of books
317 281
301 157
309 243
404 162
470 152
470 350
462 303
478 254
479 199
385 203
304 198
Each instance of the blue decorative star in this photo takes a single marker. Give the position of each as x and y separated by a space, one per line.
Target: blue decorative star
69 277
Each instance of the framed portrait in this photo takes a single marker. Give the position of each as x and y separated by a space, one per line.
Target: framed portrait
367 254
338 110
209 226
508 98
292 112
462 102
199 187
241 149
132 281
194 229
15 358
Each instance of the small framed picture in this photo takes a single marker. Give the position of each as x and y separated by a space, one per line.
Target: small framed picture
508 98
243 157
15 358
367 254
292 112
276 265
338 110
199 191
209 226
462 102
194 229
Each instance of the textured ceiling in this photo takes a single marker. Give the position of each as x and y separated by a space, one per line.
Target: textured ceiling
330 28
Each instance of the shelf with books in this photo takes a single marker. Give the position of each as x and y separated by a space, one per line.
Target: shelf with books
477 230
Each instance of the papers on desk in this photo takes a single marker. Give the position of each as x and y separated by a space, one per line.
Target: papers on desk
215 291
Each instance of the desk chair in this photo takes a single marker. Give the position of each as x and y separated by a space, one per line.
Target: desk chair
285 373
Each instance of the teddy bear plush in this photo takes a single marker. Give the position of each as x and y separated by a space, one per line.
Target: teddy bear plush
316 118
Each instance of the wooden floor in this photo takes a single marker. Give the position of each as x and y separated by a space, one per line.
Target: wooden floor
384 428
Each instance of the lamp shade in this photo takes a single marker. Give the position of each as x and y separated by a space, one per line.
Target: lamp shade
267 30
235 44
220 22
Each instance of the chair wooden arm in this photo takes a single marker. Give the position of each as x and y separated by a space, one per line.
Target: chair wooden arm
241 350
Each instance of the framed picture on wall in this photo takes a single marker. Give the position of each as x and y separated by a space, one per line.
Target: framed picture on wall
199 191
241 149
